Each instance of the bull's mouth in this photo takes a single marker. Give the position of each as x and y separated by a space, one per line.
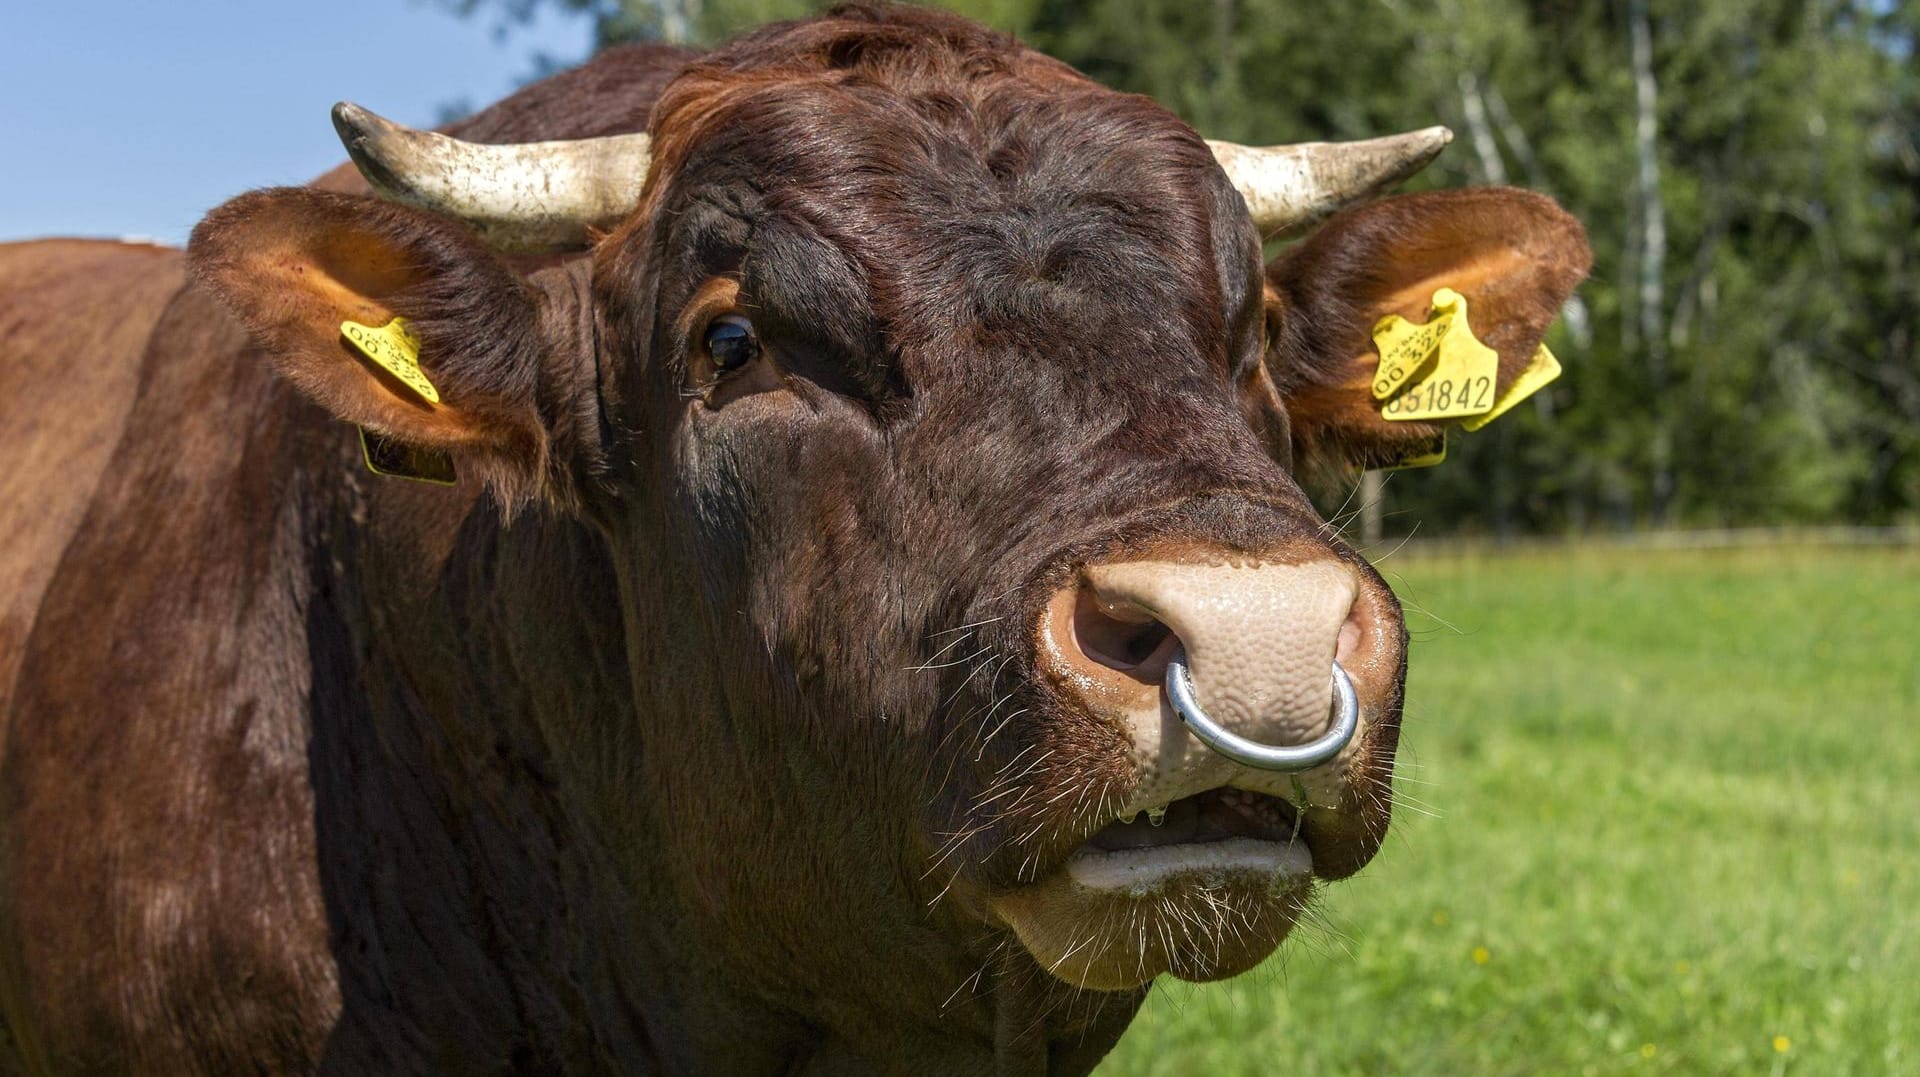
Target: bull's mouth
1216 815
1203 887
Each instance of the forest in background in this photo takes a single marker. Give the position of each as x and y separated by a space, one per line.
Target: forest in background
1747 351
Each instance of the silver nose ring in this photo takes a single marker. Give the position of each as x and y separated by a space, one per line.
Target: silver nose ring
1252 753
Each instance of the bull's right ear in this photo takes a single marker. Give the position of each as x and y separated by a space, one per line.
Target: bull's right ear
1514 255
294 264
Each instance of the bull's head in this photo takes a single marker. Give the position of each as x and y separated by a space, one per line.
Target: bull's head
931 401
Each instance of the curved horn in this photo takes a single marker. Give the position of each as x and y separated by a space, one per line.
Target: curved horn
1288 187
534 196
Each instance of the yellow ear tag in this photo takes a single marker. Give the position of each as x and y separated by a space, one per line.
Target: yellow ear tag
395 350
1407 348
1425 455
1541 369
1461 382
385 456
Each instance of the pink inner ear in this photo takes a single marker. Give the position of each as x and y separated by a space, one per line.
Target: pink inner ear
363 265
1485 274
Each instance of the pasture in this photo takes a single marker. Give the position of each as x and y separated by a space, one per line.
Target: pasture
1659 813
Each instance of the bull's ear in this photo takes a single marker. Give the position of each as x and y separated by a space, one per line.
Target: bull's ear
295 264
1515 256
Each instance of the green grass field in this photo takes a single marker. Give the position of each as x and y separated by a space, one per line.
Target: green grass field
1660 813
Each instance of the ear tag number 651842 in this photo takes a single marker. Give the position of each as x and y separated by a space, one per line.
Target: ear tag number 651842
1461 381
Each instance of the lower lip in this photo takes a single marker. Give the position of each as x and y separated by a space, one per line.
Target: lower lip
1144 871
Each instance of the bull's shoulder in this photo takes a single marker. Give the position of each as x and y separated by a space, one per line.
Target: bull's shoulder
75 316
70 270
155 815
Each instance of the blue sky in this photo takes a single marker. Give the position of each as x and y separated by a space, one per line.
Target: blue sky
125 118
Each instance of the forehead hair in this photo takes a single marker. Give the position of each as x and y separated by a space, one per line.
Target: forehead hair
962 189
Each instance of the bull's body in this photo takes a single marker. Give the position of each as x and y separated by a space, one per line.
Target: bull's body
234 842
200 752
303 769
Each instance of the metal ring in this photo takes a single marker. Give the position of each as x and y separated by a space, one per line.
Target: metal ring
1253 753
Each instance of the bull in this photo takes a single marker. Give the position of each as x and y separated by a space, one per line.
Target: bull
876 628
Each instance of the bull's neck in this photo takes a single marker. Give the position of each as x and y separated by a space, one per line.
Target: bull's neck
466 888
489 760
486 762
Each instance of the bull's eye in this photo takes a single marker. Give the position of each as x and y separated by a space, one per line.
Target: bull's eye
731 343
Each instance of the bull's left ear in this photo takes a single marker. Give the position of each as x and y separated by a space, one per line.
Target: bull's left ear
295 264
1516 256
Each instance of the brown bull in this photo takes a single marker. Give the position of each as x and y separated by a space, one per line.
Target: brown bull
780 689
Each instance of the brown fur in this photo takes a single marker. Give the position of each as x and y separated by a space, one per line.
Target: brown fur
680 768
75 316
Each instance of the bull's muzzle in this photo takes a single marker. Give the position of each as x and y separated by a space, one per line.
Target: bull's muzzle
1282 757
1215 665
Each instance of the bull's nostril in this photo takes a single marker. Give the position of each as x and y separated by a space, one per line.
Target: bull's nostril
1351 634
1120 635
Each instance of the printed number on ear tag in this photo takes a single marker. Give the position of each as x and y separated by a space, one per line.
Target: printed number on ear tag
394 349
385 456
1461 381
1541 369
